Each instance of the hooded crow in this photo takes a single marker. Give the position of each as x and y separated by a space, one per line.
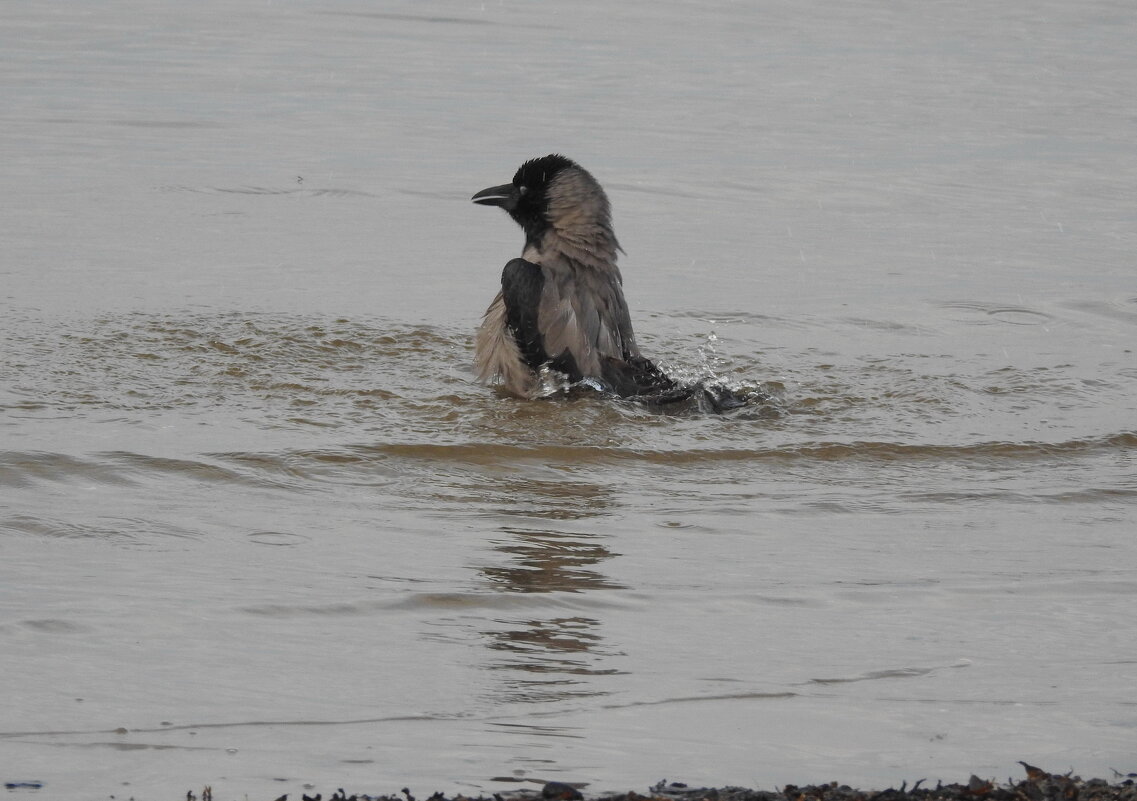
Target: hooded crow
561 305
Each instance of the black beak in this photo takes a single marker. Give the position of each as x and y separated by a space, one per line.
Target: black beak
505 196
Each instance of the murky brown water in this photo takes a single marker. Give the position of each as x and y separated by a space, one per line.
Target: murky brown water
258 523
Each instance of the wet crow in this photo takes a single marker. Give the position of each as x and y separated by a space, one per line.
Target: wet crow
561 305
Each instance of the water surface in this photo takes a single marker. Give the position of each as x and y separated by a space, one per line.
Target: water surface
258 523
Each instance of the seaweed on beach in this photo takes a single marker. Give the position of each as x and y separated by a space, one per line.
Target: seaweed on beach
1039 785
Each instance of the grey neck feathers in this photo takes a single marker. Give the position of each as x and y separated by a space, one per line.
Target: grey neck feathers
580 221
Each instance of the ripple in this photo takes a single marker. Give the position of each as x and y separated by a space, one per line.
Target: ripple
54 626
277 538
290 371
131 532
121 468
1114 311
26 469
432 20
890 673
1020 316
433 603
496 453
985 313
263 190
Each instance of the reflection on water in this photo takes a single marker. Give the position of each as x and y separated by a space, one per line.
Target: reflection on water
550 561
547 659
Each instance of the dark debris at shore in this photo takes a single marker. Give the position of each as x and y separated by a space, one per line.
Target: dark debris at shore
1037 786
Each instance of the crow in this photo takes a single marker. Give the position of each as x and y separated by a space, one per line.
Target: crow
561 305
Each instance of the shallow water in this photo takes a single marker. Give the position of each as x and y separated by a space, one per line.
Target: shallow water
259 524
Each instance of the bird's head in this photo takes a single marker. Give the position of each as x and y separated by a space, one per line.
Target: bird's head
553 192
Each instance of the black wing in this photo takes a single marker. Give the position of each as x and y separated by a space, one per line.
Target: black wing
522 286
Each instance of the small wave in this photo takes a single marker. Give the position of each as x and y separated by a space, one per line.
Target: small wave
876 675
690 699
54 626
1116 311
26 469
394 17
500 453
131 532
434 602
395 462
266 190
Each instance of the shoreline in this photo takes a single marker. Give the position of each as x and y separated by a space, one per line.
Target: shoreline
1039 785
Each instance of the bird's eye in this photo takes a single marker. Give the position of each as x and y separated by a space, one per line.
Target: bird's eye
523 189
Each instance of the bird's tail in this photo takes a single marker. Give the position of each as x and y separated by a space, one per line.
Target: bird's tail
707 397
497 359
